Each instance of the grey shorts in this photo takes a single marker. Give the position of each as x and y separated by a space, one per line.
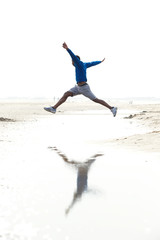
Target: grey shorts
84 90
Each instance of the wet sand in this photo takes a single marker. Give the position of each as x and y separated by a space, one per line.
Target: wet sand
79 174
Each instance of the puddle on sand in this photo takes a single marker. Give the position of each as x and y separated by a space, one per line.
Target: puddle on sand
56 186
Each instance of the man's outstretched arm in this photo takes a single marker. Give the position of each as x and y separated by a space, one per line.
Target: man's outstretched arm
90 64
76 59
65 46
73 56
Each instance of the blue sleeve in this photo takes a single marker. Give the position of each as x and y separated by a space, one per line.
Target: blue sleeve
90 64
74 57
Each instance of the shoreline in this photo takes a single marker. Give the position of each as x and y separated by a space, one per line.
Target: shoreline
145 115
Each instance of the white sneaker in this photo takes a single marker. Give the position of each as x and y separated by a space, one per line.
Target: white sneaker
50 109
114 111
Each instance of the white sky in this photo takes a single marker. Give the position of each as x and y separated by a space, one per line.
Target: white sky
125 32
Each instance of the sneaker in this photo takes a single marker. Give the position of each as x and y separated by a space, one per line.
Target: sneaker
114 111
50 109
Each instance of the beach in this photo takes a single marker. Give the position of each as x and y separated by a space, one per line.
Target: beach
79 173
146 116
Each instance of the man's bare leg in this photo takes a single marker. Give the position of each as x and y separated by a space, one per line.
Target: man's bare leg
102 102
63 99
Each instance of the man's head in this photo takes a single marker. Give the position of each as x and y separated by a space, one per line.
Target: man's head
73 61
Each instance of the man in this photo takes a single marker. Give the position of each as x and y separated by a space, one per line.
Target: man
82 86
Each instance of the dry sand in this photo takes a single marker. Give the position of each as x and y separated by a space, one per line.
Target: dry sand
148 116
144 115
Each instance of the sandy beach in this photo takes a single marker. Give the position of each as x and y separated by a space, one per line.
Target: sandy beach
146 116
79 173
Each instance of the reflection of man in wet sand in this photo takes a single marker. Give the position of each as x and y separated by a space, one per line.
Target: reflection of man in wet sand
82 175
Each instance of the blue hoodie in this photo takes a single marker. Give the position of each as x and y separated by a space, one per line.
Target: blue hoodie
81 67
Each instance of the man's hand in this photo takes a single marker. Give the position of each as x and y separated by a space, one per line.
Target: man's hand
65 46
103 60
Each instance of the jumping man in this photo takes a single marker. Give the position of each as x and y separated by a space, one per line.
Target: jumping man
82 86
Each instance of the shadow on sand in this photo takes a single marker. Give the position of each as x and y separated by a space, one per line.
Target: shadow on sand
82 175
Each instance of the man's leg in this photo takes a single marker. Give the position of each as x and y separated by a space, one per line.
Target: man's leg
102 102
63 99
86 91
70 93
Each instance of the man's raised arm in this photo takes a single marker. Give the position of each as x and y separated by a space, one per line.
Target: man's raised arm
73 56
65 46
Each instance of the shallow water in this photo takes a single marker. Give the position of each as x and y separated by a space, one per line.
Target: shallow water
59 180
